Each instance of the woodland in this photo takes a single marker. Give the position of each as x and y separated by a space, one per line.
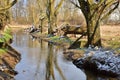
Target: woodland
93 23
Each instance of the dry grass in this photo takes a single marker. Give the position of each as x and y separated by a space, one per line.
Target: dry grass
110 35
16 27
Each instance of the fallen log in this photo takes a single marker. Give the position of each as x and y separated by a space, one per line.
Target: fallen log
73 29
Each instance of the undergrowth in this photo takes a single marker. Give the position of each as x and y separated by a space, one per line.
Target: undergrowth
2 51
5 37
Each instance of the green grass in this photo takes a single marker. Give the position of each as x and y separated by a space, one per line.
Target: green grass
114 44
2 51
60 40
6 36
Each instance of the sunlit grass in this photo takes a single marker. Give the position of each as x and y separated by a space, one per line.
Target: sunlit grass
114 44
110 36
6 36
61 40
2 51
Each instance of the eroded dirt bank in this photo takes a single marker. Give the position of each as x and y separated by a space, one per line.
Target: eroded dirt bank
8 60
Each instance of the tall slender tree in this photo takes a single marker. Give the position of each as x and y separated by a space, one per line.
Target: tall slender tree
42 15
51 13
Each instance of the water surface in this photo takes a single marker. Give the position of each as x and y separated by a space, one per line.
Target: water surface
43 61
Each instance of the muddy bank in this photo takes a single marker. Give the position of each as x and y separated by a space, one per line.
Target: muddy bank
8 60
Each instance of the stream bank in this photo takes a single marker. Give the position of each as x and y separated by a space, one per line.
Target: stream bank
98 60
9 57
75 54
8 60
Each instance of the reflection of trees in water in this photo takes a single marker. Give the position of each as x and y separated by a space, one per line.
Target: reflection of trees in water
49 64
23 40
52 63
57 66
32 42
90 76
94 76
39 59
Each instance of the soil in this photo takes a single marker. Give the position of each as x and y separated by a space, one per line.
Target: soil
8 60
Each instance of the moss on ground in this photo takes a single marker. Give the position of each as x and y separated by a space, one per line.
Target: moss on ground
58 39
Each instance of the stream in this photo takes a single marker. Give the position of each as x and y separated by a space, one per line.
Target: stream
43 61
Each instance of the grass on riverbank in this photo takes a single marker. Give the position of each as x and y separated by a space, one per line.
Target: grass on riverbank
110 36
2 51
61 40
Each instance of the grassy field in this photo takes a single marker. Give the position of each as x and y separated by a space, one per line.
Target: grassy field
110 36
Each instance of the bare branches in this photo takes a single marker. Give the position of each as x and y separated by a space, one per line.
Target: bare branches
98 9
8 6
58 6
75 4
116 4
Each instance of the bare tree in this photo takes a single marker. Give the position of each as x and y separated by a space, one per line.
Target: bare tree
42 14
19 12
51 13
94 12
4 13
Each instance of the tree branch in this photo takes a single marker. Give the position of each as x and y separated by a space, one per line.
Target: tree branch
58 6
107 14
75 4
99 7
8 6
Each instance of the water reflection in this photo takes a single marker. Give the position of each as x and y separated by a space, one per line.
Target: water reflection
94 76
24 40
51 63
43 61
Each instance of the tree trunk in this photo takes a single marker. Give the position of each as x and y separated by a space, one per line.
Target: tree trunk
41 25
93 27
94 13
50 30
49 13
4 13
93 33
52 12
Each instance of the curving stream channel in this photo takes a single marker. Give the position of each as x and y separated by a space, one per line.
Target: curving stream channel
43 61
